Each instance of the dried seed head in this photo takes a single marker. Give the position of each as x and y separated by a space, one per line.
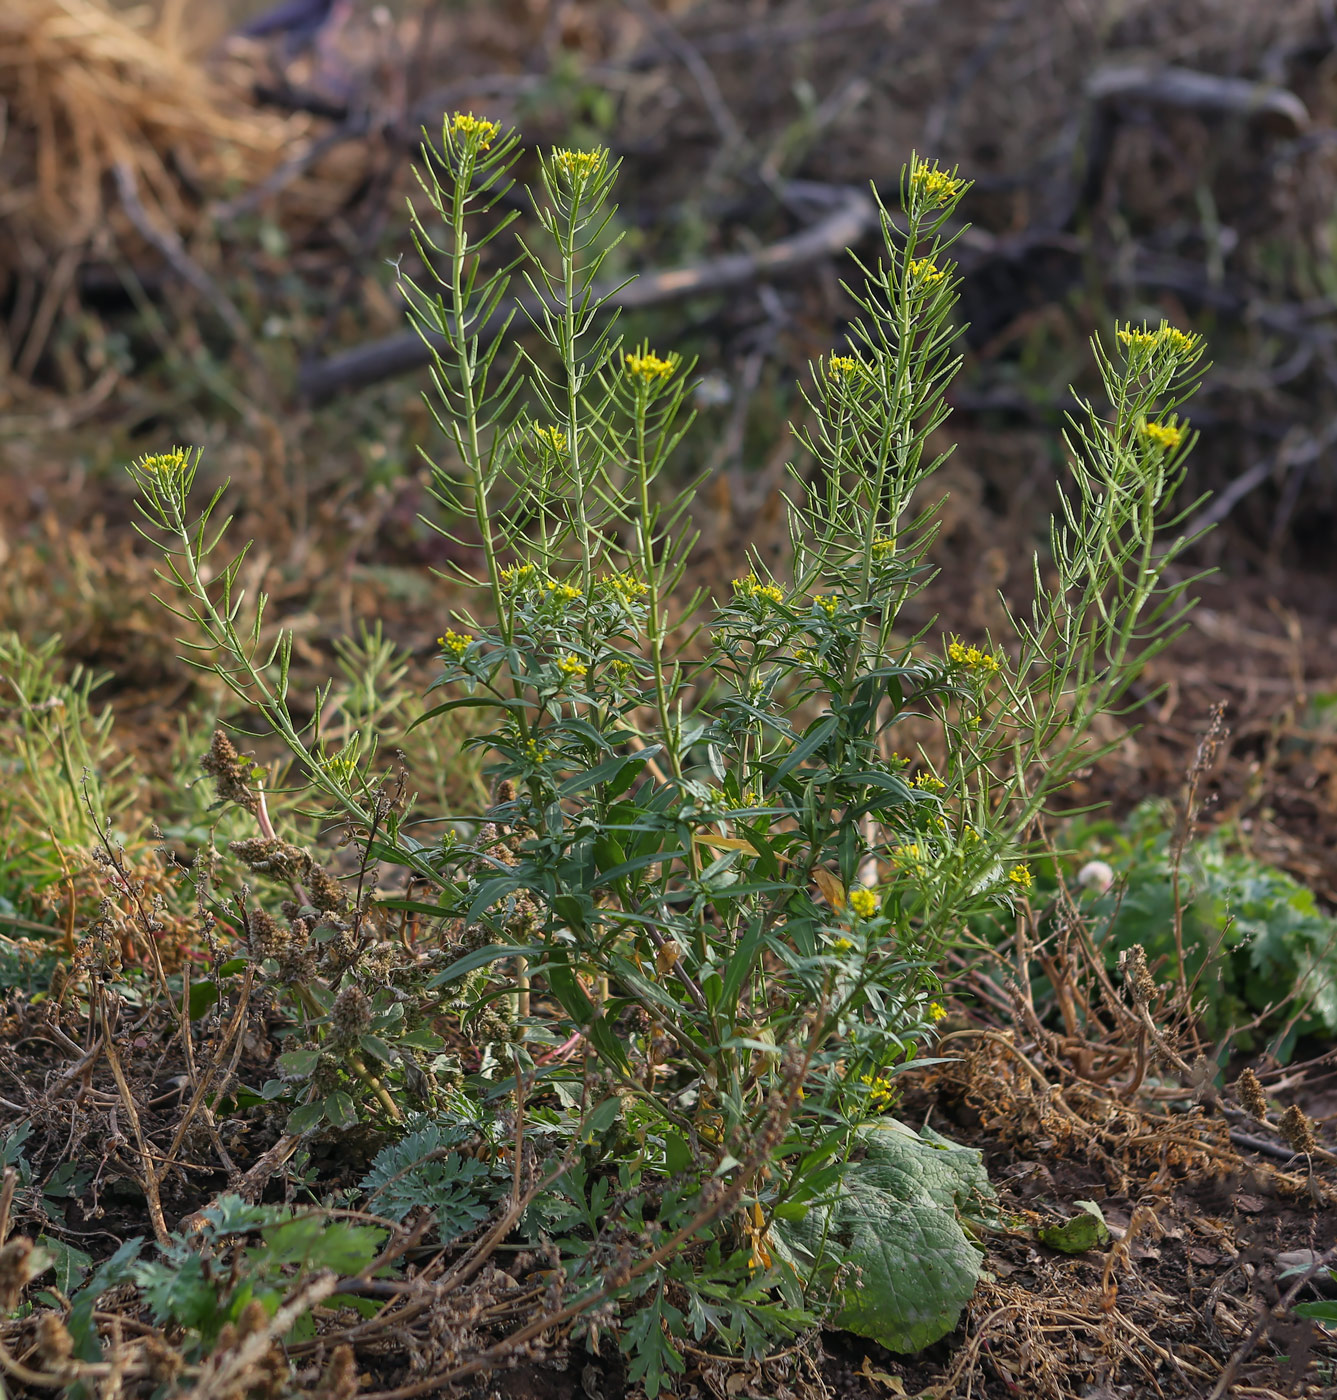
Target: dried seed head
267 938
253 1319
231 773
269 856
326 892
351 1016
1298 1129
1250 1093
20 1262
53 1343
1137 979
340 1379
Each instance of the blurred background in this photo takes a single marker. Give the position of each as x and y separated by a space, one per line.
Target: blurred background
202 207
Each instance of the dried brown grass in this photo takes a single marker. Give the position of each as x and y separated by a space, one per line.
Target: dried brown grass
89 93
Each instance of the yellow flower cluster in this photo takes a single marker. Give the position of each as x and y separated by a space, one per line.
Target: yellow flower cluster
620 668
518 575
881 1090
571 666
883 549
576 166
841 945
929 782
535 752
1166 436
164 465
864 902
911 856
565 592
936 1011
746 798
1021 877
456 643
341 766
973 658
649 367
749 588
626 586
552 438
1182 343
827 602
934 186
925 271
841 367
475 131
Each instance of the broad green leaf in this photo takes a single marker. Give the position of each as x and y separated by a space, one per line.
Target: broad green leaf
909 1268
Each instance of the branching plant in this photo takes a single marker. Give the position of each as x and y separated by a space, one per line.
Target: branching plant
707 902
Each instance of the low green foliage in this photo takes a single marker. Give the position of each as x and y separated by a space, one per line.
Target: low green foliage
205 1281
1257 948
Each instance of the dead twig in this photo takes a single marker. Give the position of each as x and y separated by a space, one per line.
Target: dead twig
853 216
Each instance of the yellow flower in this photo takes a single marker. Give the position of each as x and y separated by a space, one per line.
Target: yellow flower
929 782
1166 436
925 271
535 752
649 366
620 668
166 466
934 186
1137 340
864 902
518 575
626 586
571 666
973 658
842 367
341 766
1181 344
456 643
827 602
1020 876
552 438
577 166
909 857
566 592
936 1011
477 132
881 1091
883 549
841 945
746 798
749 588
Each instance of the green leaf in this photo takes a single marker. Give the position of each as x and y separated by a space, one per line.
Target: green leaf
299 1064
303 1119
70 1264
377 1049
203 995
340 1109
894 1220
1086 1230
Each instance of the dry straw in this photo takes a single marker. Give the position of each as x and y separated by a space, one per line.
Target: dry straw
96 101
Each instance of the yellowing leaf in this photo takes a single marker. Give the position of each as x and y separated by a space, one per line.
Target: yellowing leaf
832 890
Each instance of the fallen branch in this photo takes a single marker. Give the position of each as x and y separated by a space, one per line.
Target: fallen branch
852 217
